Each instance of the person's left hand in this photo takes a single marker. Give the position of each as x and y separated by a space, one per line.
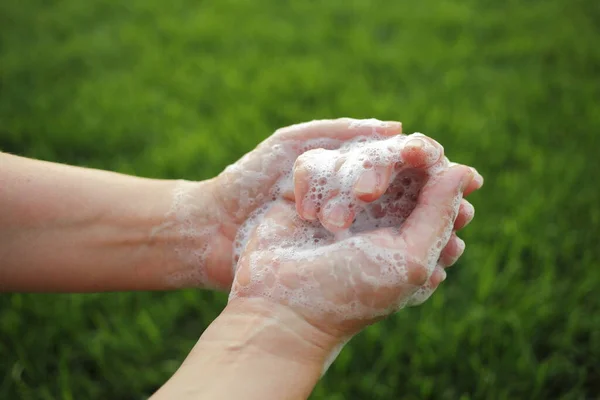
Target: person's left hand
342 284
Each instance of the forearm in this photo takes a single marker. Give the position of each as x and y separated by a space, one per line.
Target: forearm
253 350
66 228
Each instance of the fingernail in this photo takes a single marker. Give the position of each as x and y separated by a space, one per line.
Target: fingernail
367 183
466 180
368 123
339 163
337 216
477 177
443 275
415 144
394 125
461 245
469 211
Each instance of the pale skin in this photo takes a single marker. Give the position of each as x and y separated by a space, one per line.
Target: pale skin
71 229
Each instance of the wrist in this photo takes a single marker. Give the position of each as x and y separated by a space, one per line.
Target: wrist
195 240
254 350
291 336
269 327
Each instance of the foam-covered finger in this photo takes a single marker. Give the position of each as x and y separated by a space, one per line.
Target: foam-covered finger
341 128
373 183
466 212
278 222
452 252
430 224
305 207
421 151
336 214
253 243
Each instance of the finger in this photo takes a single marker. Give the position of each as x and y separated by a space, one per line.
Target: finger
452 252
337 214
431 222
373 183
438 276
466 212
305 207
425 291
475 184
341 128
278 222
311 174
421 151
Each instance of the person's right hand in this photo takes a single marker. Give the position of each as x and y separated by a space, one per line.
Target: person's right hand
343 285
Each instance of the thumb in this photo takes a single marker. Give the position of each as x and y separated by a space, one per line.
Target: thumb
428 228
339 129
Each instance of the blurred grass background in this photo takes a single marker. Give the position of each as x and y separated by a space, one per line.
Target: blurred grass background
180 89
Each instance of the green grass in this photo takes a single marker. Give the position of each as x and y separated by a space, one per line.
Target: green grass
180 89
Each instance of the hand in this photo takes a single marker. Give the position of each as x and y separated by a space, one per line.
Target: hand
343 285
334 186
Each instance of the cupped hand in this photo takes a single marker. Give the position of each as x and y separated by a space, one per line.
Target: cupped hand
341 283
334 186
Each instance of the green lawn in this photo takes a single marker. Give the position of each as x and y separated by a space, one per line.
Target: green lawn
183 88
